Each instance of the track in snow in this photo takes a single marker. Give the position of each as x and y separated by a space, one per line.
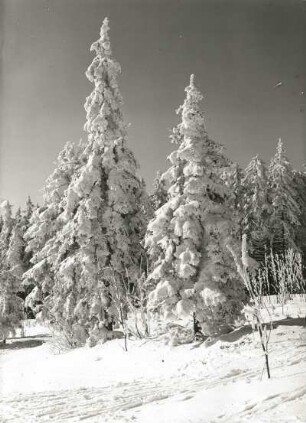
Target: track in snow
120 402
101 404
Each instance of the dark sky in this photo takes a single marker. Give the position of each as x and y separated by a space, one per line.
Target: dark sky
237 49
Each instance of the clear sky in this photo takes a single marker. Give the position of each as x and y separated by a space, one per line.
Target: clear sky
237 49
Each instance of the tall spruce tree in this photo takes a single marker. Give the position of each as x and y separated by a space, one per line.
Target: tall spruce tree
192 271
26 213
233 179
99 246
11 267
256 208
22 223
286 212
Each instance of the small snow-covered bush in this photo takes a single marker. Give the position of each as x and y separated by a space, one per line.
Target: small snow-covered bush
177 334
59 343
98 334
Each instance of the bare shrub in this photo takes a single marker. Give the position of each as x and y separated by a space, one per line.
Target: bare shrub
129 299
245 267
281 274
59 343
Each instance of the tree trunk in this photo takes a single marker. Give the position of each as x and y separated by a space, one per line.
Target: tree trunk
197 333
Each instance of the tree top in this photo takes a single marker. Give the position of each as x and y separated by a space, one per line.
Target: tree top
102 46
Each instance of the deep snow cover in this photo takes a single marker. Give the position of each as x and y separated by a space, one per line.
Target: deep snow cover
216 381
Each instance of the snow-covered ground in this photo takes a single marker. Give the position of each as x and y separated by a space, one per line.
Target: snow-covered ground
220 381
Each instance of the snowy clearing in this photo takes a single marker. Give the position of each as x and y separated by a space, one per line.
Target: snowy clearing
218 381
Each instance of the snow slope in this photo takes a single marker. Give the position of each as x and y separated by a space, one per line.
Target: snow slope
214 382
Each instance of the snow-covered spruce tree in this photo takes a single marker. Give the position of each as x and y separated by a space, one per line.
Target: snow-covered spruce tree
15 252
256 208
22 222
285 214
26 213
159 195
25 219
43 225
11 267
100 243
300 186
192 270
233 179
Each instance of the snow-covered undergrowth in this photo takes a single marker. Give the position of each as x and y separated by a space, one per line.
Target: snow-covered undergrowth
217 381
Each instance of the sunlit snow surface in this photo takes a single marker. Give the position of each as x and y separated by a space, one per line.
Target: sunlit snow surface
220 381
